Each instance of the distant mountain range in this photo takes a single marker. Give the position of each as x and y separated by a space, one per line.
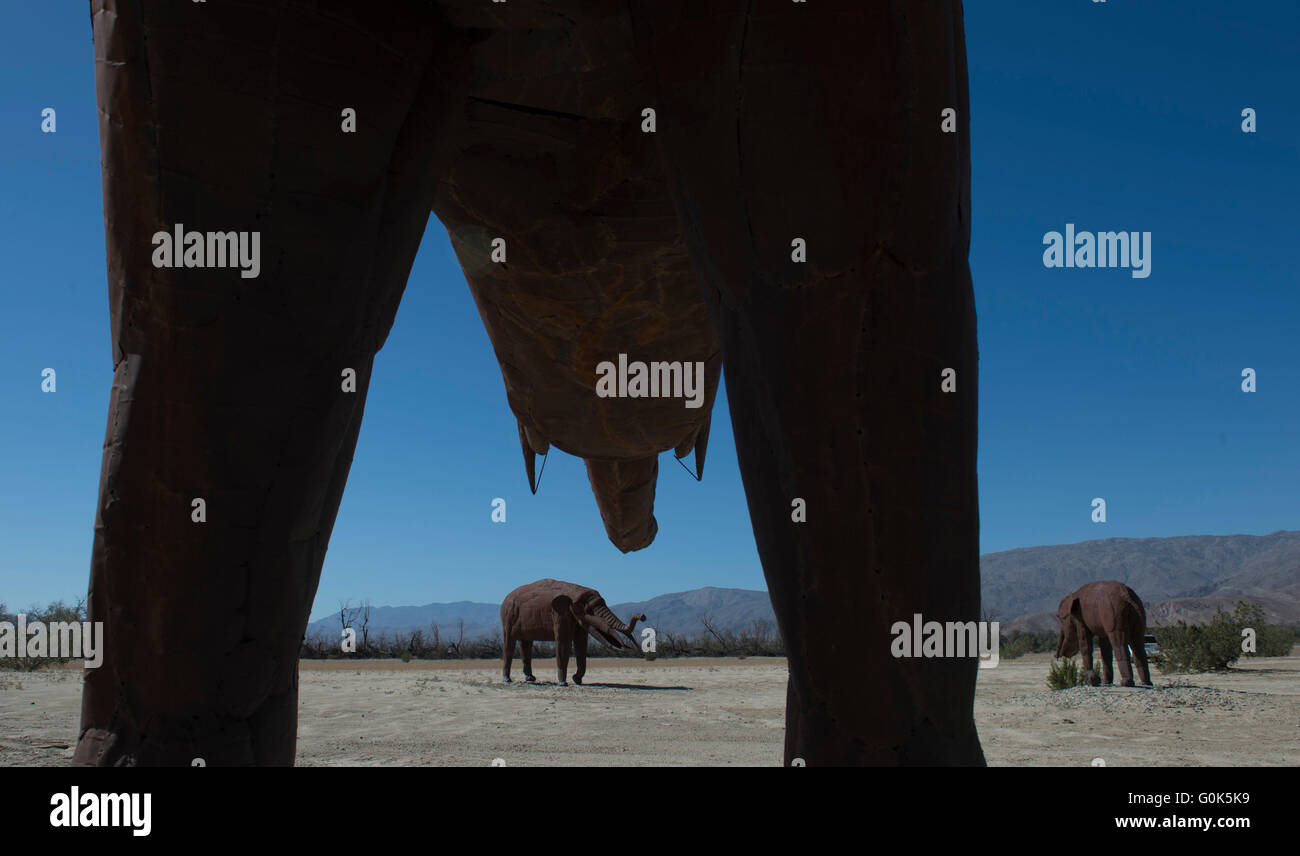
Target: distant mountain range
678 613
1185 577
1178 578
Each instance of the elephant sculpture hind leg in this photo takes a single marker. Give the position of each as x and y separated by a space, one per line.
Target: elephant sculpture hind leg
508 656
237 401
1140 657
1107 655
1119 640
828 217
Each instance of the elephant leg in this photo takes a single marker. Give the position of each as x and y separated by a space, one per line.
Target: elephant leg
237 401
1120 642
580 655
526 649
562 664
1140 657
563 639
1085 658
858 467
508 656
1107 670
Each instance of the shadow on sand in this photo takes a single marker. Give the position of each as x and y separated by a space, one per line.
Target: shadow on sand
592 685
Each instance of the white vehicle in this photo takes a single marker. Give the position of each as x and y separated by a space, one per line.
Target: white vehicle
1151 645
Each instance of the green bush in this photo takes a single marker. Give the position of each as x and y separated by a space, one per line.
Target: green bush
1217 645
1273 640
57 611
1067 672
1017 644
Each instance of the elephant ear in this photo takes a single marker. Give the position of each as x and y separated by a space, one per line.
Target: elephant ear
561 604
578 610
1075 609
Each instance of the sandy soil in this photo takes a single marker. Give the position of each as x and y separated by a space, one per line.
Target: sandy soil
706 712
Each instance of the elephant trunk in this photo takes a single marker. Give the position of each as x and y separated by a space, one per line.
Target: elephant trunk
630 628
625 495
604 615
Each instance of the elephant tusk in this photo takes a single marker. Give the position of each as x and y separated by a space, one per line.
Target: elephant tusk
533 445
700 443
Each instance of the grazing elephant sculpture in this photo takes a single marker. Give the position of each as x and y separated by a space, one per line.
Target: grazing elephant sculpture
1113 613
563 613
774 191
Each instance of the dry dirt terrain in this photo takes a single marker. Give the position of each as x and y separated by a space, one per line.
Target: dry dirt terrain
705 712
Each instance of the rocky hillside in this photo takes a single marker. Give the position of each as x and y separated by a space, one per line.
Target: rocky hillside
1184 577
1178 578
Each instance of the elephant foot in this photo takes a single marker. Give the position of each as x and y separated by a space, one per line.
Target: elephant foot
562 683
530 679
577 680
1126 684
506 679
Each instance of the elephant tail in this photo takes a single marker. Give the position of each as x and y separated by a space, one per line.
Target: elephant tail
1132 598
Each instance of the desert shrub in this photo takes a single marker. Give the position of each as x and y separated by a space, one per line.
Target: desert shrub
1199 647
1271 640
1017 644
57 611
1216 646
1067 672
436 643
759 639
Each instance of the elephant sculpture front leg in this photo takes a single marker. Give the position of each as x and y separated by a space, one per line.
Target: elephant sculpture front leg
580 656
563 640
526 650
238 393
828 218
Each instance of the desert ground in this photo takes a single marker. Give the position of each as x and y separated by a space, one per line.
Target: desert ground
705 712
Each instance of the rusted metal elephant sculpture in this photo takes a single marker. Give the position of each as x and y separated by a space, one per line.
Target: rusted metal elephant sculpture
1113 613
563 613
765 190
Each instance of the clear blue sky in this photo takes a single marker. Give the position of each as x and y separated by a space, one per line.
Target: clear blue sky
1114 116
